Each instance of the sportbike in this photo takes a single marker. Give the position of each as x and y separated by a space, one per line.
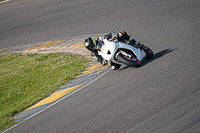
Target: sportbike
122 53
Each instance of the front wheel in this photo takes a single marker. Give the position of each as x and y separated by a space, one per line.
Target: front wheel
129 62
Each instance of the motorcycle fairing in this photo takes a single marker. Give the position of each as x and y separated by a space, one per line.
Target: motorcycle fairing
140 54
109 49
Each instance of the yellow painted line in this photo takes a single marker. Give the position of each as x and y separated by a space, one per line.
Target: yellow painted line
94 68
80 44
43 45
55 96
4 49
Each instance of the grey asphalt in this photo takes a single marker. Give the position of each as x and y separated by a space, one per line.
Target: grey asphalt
162 96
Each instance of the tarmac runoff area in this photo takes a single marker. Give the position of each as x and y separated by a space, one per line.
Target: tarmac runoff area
75 46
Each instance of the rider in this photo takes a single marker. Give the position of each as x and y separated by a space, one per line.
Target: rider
91 45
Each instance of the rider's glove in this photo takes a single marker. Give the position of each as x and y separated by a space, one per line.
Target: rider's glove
111 35
115 37
101 38
104 62
93 56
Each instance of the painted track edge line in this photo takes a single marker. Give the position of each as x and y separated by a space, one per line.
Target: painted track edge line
64 97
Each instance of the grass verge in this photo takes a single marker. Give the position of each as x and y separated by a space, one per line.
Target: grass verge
26 79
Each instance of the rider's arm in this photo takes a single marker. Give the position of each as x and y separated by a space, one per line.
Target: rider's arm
109 36
94 54
99 58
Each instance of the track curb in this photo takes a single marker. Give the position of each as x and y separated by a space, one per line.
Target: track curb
65 45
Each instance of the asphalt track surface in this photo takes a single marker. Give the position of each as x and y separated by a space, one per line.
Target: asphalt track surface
162 96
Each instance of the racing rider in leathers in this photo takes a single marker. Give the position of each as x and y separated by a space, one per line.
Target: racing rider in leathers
91 45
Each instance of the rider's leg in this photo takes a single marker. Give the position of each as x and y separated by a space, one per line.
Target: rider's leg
102 61
99 59
124 36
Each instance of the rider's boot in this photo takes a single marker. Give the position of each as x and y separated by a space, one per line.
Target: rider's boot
133 41
137 43
124 36
140 45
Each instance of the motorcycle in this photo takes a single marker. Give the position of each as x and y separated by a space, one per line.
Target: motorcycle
123 53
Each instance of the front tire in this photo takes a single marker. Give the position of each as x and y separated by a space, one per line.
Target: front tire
128 62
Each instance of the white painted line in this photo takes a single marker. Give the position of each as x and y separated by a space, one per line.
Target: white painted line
60 99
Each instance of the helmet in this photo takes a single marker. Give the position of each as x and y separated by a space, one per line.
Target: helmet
90 44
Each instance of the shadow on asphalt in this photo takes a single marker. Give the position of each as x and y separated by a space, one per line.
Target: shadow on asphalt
155 56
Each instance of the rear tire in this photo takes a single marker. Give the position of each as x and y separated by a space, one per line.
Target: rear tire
127 61
149 53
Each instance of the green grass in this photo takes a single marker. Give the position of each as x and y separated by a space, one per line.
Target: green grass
26 79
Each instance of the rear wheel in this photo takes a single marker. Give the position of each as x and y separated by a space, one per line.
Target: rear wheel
129 62
149 52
